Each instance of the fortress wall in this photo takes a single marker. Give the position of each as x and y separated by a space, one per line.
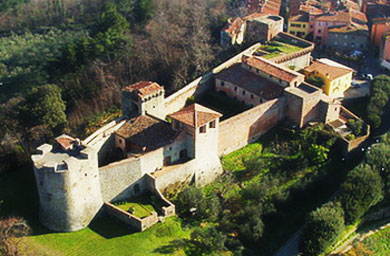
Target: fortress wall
177 100
299 62
175 174
237 131
118 179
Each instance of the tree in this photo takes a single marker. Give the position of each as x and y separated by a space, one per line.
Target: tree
143 10
43 106
322 227
357 126
252 226
361 190
317 154
206 241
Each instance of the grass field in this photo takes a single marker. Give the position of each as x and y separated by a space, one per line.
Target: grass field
278 48
379 243
142 206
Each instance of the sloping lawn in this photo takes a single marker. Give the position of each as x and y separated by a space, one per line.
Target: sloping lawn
106 237
379 243
276 49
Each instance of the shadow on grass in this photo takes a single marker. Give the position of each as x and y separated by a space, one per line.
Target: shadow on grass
173 246
109 228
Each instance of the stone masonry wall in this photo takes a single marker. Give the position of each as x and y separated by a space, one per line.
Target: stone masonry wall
238 131
177 100
118 179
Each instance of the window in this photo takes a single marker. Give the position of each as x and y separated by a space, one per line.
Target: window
120 141
251 96
222 83
235 88
243 92
202 129
319 31
212 124
183 153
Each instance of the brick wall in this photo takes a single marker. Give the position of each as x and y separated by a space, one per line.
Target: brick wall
238 131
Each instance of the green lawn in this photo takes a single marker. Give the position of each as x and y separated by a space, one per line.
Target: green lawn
142 206
276 49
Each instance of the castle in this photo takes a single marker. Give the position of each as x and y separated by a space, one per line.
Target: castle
161 142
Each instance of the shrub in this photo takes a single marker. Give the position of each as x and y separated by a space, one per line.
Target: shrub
361 190
207 241
322 227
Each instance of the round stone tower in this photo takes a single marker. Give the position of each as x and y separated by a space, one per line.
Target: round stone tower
68 184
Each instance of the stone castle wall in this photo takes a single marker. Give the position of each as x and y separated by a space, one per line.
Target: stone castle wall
237 131
177 100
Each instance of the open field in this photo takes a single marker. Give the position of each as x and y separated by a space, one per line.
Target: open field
276 49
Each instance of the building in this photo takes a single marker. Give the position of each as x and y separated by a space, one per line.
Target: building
379 28
337 78
348 37
263 28
256 27
299 25
233 32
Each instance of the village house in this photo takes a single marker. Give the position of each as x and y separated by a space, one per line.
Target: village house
337 78
348 37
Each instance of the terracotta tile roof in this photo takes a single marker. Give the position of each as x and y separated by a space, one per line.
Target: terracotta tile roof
327 70
65 141
350 28
195 115
147 131
304 17
271 68
310 9
251 82
360 16
233 26
144 88
351 5
344 17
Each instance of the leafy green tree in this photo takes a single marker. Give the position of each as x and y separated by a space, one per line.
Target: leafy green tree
252 226
317 154
357 126
361 190
143 10
207 241
44 106
380 89
322 227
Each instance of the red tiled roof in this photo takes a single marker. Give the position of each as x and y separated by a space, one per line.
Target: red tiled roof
64 141
147 131
270 68
344 17
304 17
358 15
349 28
233 26
144 88
195 115
310 9
327 70
251 82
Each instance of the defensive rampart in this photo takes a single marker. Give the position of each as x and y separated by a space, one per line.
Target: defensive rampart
239 130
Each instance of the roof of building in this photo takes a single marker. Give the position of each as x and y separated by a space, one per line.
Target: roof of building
310 9
332 72
233 25
349 4
349 28
271 68
147 131
251 82
65 141
195 115
302 17
344 17
357 15
144 88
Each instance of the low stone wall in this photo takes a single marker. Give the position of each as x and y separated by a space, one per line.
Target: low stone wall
130 219
177 100
169 209
237 131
